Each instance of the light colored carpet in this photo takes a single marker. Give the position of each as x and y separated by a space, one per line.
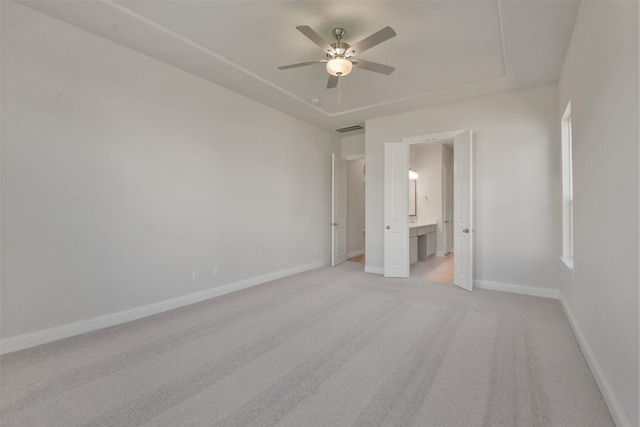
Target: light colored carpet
331 347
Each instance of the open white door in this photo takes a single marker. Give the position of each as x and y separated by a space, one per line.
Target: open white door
463 210
396 209
338 211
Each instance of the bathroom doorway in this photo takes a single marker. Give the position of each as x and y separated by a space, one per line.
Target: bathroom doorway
431 211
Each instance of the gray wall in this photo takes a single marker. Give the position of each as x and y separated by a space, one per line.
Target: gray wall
600 78
121 175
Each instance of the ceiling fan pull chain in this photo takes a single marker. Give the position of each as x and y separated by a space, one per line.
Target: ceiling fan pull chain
339 90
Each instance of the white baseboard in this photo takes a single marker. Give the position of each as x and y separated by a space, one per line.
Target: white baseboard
619 417
355 253
374 270
516 289
44 336
440 253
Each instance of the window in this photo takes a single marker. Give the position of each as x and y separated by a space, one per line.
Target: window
567 188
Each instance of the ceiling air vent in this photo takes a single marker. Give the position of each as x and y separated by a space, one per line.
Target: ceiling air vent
349 128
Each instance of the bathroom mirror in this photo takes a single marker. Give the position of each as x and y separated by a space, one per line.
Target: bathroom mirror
412 197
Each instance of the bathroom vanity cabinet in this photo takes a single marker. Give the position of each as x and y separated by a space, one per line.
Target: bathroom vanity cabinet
422 241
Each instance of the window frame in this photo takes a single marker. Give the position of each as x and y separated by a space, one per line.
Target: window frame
567 188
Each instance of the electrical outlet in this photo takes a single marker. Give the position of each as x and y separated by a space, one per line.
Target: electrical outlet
216 271
315 251
194 275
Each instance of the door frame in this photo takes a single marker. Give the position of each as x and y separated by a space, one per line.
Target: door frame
447 206
349 158
338 203
436 138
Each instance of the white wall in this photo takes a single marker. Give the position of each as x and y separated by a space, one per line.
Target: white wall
353 146
121 175
517 181
355 207
600 78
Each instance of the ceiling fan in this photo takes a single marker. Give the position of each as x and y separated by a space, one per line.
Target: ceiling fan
340 56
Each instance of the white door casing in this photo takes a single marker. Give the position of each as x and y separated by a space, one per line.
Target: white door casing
463 210
396 209
338 211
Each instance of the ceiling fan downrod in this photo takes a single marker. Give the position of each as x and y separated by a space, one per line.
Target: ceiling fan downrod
339 47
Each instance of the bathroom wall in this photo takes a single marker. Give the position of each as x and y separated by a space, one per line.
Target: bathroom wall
426 159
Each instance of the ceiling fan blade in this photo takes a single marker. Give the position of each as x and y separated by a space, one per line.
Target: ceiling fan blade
373 66
315 37
333 82
301 64
374 39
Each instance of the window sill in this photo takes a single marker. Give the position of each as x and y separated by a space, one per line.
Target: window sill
568 262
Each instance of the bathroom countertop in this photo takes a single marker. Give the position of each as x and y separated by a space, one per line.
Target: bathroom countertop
423 223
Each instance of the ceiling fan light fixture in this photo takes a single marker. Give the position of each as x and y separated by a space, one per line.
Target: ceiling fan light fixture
338 55
339 67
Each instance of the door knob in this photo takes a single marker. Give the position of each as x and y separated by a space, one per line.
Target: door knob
446 221
466 230
388 227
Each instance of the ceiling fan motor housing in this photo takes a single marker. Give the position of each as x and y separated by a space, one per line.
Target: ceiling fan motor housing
339 50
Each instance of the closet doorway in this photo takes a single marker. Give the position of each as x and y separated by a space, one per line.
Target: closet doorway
356 236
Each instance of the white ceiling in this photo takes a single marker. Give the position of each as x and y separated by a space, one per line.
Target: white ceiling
444 50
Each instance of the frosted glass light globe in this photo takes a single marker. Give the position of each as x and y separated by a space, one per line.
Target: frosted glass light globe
339 67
